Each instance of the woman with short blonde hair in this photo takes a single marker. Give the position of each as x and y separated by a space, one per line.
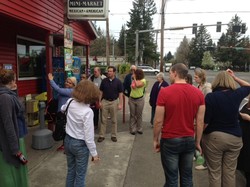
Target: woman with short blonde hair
224 80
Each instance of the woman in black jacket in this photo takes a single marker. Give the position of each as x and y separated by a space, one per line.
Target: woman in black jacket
158 85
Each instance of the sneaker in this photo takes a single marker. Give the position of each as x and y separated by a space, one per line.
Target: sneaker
100 139
139 132
200 167
114 139
61 148
194 159
133 133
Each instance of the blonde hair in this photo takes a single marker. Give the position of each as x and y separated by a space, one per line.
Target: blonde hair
86 91
74 81
224 80
201 73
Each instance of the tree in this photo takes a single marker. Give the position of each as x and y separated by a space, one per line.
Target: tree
231 46
141 18
168 57
207 61
198 46
121 40
98 46
182 53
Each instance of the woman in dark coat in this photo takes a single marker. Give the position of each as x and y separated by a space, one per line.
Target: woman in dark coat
243 159
158 85
13 168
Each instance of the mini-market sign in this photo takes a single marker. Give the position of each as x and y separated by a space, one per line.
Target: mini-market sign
88 9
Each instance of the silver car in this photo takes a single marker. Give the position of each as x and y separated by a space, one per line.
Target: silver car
149 70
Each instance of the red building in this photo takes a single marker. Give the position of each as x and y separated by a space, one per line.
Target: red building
31 32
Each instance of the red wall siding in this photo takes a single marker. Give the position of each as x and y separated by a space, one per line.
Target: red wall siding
34 19
8 47
47 14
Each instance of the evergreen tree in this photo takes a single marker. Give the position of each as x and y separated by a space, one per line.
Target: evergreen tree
168 57
121 40
182 53
231 46
198 46
98 46
141 18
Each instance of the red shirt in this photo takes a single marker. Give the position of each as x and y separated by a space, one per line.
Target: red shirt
181 102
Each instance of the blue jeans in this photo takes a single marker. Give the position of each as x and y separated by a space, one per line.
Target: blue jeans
77 161
177 155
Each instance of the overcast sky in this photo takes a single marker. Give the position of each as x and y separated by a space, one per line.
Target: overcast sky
181 13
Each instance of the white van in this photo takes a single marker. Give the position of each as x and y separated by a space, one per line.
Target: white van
168 66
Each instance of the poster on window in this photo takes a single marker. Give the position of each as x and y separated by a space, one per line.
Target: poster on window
68 58
68 37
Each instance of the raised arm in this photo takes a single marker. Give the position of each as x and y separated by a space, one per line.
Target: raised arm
237 79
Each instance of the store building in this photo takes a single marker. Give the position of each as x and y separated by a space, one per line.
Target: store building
31 33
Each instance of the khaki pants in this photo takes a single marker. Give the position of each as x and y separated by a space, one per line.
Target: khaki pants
221 151
109 109
136 108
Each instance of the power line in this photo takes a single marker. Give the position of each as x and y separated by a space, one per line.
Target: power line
208 12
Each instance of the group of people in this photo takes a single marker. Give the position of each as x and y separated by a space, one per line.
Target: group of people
205 118
184 118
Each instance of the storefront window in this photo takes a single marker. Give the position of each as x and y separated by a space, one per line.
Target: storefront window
31 57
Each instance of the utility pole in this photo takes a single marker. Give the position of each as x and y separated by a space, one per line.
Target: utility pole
125 50
162 33
107 42
136 47
113 50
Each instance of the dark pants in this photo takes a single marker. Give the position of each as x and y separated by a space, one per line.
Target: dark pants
177 156
96 116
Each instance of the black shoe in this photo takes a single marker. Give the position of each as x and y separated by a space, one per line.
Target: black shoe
139 132
114 139
100 139
133 133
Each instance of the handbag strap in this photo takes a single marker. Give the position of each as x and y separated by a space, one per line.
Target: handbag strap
66 111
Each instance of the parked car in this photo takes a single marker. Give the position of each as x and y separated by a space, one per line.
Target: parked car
168 66
192 67
149 70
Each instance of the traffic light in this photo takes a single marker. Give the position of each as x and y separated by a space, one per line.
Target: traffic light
218 27
236 28
194 31
243 28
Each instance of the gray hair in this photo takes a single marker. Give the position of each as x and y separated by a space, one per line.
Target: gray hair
160 75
